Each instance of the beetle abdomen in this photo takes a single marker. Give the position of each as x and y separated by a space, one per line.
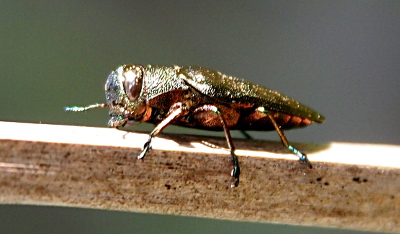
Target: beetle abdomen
242 119
258 121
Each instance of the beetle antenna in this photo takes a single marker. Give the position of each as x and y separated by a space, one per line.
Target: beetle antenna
85 108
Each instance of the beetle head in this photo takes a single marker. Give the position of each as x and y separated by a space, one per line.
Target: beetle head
123 93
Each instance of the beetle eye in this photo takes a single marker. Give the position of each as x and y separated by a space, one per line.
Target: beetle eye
133 81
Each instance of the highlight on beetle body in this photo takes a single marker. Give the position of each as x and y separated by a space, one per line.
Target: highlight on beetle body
201 98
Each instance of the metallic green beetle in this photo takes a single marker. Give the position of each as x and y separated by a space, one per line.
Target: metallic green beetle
198 97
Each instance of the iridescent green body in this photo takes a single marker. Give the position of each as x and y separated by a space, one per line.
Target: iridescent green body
201 98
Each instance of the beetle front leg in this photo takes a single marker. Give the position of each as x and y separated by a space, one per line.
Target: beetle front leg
176 111
298 153
235 161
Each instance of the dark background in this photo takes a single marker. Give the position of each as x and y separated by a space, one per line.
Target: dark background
341 58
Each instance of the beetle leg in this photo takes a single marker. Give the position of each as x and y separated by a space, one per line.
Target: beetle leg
236 169
246 135
298 153
176 110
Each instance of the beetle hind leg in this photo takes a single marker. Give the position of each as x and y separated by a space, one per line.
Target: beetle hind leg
298 153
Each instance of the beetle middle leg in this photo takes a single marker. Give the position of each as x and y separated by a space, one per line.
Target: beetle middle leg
176 110
236 169
246 135
298 153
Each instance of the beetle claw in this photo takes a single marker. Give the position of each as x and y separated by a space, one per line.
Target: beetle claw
309 165
302 156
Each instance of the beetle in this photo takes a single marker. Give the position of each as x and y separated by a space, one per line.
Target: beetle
201 98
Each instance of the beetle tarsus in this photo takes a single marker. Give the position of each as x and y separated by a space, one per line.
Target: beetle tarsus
236 168
302 156
146 148
235 174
